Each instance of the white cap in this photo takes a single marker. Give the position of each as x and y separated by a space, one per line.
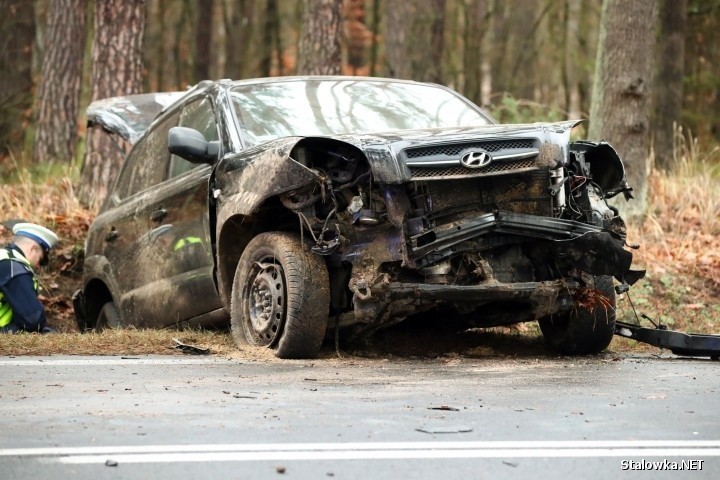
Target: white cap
45 237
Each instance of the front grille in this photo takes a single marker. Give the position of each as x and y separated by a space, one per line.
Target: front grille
454 149
458 171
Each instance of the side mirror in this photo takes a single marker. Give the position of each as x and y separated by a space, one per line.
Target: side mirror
191 145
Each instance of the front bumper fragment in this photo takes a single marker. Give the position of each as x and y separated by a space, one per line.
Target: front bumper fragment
590 248
679 343
486 292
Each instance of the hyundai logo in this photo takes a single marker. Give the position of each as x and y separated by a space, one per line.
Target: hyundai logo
478 159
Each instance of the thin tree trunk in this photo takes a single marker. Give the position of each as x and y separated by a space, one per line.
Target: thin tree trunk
622 97
523 25
398 26
375 44
272 19
239 23
473 57
669 81
203 38
116 71
500 66
573 10
59 91
17 29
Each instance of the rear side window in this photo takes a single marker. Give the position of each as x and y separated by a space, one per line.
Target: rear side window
148 161
199 116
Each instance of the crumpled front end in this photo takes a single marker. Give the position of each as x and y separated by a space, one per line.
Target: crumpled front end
502 222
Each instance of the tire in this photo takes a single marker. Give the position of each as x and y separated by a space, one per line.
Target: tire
585 330
109 317
280 297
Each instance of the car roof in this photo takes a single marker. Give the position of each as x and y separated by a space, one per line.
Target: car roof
130 116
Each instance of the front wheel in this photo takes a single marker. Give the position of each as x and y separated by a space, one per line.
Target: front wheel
590 326
280 296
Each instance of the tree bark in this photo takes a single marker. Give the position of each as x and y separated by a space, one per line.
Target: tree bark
239 28
431 71
268 48
669 80
116 71
473 55
203 39
17 32
320 48
399 23
571 61
416 40
501 39
622 98
59 91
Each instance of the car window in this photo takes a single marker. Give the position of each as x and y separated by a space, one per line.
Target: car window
199 116
147 162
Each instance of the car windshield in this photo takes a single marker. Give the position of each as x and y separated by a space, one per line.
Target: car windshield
334 107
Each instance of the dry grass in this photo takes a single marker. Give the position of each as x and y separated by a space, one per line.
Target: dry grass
680 240
113 342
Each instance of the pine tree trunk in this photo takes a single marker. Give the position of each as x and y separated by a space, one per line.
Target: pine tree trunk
399 22
571 58
319 49
59 91
17 30
239 28
622 97
475 32
203 38
116 71
669 81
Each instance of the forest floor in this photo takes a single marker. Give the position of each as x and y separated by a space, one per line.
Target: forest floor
680 248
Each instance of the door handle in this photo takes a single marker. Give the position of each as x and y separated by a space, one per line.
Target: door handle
112 235
158 215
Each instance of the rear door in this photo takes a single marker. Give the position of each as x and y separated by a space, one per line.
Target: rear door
180 228
159 244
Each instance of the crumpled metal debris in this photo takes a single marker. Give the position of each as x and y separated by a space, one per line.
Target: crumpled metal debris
445 429
190 349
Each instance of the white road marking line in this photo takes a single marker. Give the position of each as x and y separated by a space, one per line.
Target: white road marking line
370 450
694 453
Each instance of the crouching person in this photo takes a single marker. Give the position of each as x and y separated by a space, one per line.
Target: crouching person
20 309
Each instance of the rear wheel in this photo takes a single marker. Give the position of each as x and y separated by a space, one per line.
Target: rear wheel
590 326
109 317
280 296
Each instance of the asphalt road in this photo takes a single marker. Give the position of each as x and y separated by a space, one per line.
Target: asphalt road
192 417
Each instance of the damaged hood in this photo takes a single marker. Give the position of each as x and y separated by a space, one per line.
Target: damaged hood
443 135
131 115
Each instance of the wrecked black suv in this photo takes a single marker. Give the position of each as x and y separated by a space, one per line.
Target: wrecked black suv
304 204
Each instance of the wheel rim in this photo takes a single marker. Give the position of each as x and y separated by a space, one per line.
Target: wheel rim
266 302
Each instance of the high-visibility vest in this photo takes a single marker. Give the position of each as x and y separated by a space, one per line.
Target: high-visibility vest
6 313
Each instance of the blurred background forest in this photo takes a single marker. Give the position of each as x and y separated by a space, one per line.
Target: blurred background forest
645 73
525 60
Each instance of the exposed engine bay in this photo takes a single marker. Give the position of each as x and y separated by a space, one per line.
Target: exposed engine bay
499 247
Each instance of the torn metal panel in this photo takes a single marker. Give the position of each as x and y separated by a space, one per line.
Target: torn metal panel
131 115
679 343
243 182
